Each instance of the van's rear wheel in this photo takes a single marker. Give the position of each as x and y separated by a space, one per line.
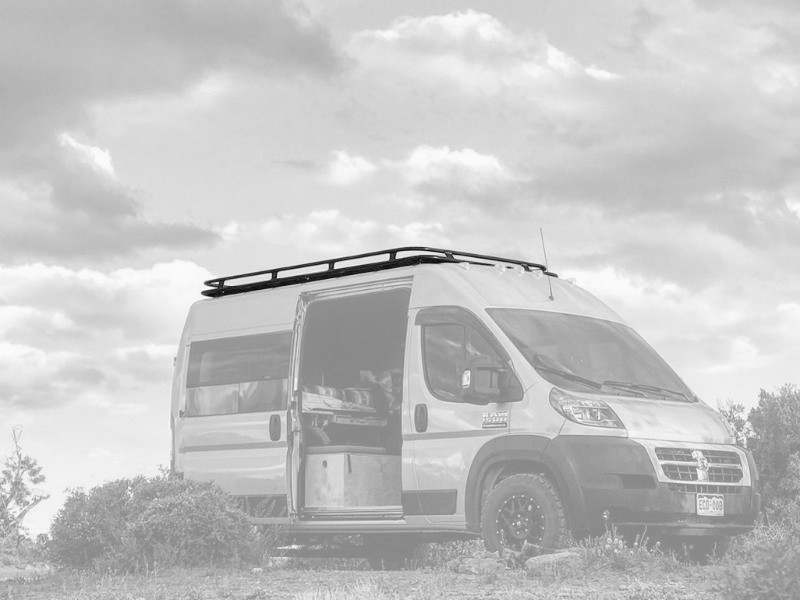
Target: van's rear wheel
524 512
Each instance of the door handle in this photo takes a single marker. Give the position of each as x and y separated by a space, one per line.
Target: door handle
275 428
421 417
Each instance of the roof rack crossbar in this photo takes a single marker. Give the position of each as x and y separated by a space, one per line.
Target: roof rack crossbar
332 267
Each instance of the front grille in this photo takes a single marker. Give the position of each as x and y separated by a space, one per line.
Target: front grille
679 464
702 488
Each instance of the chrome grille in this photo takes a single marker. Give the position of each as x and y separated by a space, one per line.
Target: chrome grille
703 488
678 464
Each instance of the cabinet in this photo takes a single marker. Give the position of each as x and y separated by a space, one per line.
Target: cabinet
341 477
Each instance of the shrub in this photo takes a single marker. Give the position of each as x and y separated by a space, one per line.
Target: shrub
138 524
772 574
619 553
19 476
775 442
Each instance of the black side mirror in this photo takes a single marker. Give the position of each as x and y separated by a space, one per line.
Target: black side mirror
275 428
511 390
504 384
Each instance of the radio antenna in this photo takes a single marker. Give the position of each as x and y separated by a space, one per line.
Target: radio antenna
546 267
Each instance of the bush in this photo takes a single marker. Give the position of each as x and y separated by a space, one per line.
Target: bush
775 442
773 573
619 553
138 524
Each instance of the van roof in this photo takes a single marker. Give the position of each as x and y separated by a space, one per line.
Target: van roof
368 262
473 281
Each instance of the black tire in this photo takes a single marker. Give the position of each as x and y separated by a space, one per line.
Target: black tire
524 512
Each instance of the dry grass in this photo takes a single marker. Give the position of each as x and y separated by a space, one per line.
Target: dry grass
608 570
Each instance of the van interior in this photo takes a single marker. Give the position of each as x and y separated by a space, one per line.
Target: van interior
351 379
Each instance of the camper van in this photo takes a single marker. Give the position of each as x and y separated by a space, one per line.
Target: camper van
417 393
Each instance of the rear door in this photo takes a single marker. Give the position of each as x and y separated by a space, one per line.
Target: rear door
459 390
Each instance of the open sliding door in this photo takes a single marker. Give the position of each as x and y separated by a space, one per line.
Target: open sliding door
346 452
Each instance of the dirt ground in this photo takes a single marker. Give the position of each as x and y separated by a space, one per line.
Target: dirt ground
696 583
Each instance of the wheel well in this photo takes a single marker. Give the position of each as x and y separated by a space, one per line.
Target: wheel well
499 471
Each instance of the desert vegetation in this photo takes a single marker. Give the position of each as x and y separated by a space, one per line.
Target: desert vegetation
162 537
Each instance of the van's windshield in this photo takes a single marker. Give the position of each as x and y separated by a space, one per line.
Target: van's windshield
585 354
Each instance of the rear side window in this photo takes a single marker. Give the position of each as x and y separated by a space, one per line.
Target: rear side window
243 374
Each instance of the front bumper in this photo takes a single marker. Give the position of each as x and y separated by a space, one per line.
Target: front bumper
609 481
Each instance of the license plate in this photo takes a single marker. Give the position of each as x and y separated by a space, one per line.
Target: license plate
711 505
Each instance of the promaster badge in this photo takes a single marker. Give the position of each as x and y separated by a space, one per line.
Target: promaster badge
495 419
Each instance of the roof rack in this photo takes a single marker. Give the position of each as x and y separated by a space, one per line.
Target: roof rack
333 267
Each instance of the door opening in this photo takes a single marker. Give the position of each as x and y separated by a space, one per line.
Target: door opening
350 399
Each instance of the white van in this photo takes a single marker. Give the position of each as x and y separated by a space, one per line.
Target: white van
412 393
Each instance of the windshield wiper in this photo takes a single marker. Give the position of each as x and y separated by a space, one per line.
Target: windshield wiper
569 376
642 387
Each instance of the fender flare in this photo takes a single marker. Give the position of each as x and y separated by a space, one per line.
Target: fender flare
495 454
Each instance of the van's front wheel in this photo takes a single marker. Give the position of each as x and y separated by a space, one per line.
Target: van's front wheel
524 512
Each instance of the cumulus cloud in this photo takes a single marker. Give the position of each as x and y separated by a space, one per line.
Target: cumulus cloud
683 127
466 173
62 62
346 169
102 51
473 50
81 210
72 335
324 233
440 173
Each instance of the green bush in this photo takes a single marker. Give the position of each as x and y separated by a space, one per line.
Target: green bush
772 574
138 524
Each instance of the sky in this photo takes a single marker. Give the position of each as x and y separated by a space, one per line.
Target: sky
148 145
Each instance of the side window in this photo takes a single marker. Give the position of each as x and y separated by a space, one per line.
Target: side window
443 349
241 374
461 365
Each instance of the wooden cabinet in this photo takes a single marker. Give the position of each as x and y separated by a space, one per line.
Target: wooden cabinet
342 477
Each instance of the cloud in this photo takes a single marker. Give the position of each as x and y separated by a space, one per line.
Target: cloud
347 169
80 210
469 49
57 58
682 127
439 173
465 173
325 233
64 63
70 335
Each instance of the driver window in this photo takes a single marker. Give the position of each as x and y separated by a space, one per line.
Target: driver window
450 349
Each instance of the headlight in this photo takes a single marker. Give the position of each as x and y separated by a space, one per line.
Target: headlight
594 413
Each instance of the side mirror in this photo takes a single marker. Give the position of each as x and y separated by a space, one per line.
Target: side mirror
486 383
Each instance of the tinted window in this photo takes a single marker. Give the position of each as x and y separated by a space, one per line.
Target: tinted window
238 375
451 348
590 355
444 359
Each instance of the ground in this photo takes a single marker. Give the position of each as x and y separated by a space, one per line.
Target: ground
684 582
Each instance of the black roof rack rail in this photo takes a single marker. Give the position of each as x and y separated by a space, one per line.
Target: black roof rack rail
332 267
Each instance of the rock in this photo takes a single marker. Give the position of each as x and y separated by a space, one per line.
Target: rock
539 564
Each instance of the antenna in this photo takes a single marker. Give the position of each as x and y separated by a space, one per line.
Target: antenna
546 266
